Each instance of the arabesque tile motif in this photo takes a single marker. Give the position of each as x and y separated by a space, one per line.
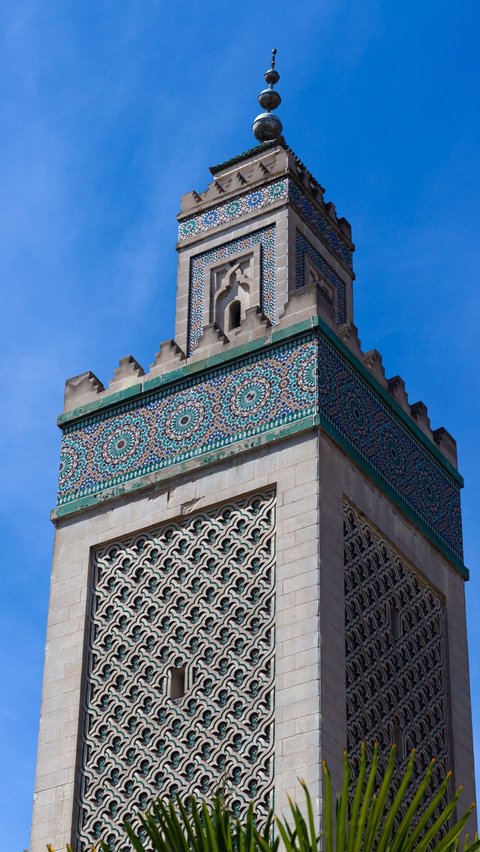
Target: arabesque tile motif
278 386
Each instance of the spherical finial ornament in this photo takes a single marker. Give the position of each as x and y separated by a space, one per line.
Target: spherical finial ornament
267 127
272 76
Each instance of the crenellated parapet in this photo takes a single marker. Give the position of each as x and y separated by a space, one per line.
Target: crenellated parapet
395 386
264 176
259 385
304 305
82 390
127 373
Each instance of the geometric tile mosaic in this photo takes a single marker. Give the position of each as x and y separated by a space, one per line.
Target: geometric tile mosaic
302 248
265 238
319 224
233 209
397 676
371 429
262 197
178 423
281 384
197 596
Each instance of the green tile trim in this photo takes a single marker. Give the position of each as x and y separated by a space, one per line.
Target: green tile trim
277 336
180 468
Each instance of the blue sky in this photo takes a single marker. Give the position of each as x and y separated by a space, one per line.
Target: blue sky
109 112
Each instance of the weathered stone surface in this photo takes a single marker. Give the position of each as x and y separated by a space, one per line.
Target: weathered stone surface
81 389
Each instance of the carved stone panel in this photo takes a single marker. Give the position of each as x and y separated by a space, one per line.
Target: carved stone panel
180 667
395 643
261 247
235 280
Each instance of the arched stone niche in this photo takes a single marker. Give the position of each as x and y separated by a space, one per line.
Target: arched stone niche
232 287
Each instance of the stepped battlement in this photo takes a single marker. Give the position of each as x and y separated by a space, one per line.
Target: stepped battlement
256 329
254 168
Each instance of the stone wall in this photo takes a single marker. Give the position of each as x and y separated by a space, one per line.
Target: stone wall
292 470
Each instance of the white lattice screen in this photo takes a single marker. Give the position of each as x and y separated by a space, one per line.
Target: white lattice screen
396 669
196 595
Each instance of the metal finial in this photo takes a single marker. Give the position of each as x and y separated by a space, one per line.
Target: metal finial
267 127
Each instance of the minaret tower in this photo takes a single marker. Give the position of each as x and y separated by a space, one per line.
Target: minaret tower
258 546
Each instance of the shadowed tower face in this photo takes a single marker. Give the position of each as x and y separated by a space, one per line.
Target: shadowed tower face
258 550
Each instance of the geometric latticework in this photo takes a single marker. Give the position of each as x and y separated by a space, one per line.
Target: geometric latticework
395 653
187 606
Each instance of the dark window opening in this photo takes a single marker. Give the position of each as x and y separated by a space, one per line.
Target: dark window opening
397 740
395 629
177 682
234 313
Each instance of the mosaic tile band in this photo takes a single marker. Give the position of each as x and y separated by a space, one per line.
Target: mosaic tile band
303 376
258 199
371 429
233 209
181 422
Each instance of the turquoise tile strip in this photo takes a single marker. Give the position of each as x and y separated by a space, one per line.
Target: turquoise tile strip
258 199
230 211
302 380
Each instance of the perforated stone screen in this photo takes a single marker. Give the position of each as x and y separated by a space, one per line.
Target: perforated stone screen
396 669
187 606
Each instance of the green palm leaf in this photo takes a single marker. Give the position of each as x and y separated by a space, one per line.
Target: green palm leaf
373 814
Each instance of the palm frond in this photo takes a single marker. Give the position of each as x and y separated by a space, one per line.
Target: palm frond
382 812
